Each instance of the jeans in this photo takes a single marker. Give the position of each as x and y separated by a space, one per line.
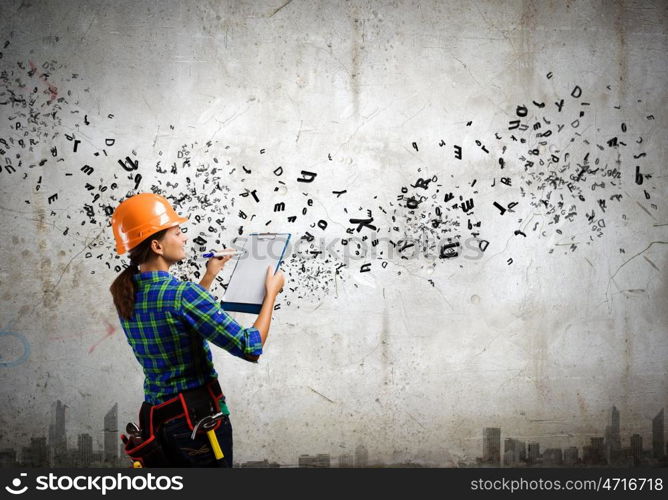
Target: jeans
182 451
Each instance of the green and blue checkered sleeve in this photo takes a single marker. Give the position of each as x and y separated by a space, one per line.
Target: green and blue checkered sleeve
202 312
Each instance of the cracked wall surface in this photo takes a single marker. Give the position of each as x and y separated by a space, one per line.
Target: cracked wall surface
476 193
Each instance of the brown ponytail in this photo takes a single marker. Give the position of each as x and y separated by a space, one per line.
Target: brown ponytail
123 289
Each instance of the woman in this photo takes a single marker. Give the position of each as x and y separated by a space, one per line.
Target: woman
168 323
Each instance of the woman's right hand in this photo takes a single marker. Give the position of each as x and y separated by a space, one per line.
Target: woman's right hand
274 282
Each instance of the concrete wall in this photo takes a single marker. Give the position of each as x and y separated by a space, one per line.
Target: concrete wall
551 309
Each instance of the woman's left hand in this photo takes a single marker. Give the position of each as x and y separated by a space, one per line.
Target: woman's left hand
215 264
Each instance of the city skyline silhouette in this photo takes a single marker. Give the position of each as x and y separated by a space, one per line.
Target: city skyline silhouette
499 449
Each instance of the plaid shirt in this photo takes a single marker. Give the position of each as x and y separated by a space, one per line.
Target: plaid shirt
168 333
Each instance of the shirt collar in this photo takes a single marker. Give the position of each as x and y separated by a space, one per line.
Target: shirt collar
152 276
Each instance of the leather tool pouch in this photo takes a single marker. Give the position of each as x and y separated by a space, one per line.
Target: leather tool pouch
193 404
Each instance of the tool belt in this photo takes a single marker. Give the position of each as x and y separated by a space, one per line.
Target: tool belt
144 447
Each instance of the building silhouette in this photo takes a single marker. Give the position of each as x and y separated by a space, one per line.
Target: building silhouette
636 449
35 455
57 444
123 458
613 444
320 460
514 451
51 442
8 458
361 456
111 438
571 456
594 454
534 453
84 450
491 446
658 436
260 464
60 433
587 455
346 460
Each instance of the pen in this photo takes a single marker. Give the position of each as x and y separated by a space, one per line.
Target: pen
223 254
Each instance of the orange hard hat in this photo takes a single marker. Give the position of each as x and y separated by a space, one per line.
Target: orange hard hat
140 216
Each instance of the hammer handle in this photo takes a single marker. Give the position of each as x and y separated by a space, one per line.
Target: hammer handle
213 439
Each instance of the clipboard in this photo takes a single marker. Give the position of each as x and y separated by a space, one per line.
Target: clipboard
245 292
